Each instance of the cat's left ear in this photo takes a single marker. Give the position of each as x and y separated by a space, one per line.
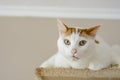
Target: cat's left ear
93 30
61 26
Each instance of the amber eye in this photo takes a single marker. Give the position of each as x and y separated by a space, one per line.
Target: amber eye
82 42
67 42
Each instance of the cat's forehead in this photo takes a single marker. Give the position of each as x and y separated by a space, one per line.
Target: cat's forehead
76 30
75 37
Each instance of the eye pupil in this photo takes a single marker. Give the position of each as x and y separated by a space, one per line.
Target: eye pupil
67 42
82 42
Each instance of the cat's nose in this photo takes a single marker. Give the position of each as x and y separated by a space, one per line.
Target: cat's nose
74 51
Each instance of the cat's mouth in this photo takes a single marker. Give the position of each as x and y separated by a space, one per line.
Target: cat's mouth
75 58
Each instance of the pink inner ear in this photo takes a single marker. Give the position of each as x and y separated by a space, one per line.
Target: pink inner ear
62 27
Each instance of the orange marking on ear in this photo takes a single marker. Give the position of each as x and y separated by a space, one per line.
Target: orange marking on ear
88 31
83 32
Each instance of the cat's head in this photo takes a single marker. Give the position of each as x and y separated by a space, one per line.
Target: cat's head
73 42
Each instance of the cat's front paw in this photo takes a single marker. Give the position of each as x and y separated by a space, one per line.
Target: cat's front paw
77 66
94 67
45 65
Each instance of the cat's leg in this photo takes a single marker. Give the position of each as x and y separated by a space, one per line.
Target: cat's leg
96 66
62 65
79 66
62 62
55 62
49 63
116 55
93 66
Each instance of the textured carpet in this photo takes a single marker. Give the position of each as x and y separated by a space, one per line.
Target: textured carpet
111 73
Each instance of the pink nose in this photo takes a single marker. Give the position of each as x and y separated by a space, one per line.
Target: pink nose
74 51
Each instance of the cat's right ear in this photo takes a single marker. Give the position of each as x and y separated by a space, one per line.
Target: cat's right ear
61 26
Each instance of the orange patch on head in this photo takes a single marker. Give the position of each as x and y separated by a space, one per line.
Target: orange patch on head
69 31
88 32
82 32
66 31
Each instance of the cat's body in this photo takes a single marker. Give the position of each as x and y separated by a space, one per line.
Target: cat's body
82 48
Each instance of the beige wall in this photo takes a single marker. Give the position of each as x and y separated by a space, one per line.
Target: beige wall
63 3
26 42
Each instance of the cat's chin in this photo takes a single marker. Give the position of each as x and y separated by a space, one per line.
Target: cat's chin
74 58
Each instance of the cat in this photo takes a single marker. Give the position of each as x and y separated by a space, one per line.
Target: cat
82 48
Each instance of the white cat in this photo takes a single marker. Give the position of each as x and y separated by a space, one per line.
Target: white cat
81 48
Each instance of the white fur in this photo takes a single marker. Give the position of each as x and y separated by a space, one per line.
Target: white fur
92 56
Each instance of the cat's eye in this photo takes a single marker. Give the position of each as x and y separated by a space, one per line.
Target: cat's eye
67 42
82 42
